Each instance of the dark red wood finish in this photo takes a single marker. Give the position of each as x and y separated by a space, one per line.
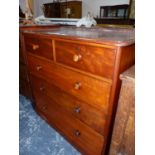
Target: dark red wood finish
89 81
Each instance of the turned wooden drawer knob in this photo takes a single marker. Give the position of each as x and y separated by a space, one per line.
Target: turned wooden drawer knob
39 68
77 133
77 110
77 57
35 47
44 108
42 89
77 85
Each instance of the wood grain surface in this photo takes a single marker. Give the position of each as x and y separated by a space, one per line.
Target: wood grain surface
75 80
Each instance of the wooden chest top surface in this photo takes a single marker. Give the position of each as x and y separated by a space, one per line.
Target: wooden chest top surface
110 36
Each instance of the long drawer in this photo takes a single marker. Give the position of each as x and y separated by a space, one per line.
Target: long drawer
84 138
96 60
84 112
88 89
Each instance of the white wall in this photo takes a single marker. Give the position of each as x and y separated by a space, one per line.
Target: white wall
92 6
37 6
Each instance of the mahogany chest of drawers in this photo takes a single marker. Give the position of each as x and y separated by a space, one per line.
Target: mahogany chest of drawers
74 73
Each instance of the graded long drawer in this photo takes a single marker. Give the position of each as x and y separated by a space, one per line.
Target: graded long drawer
39 46
92 91
96 60
81 110
81 136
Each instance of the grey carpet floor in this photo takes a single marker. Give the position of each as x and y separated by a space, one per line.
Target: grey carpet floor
36 137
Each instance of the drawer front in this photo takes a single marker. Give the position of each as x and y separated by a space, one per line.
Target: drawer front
96 60
88 114
39 46
93 91
81 136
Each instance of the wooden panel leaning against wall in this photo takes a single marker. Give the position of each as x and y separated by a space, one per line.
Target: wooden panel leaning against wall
123 137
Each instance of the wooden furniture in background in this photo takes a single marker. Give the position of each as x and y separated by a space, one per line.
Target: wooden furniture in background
74 9
123 137
51 10
114 11
70 9
115 21
74 74
117 14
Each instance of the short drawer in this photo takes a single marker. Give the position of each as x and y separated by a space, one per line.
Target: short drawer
81 110
39 46
92 91
80 135
96 60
